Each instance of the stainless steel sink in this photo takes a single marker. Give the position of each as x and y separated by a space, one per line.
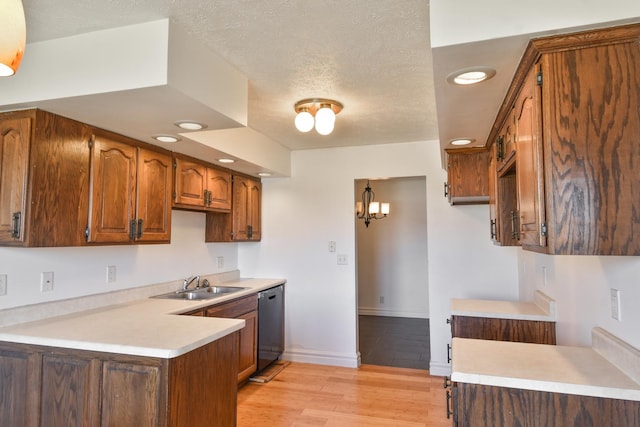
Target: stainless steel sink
201 293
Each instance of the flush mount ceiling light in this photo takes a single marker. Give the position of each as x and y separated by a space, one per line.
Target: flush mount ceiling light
13 35
265 174
166 138
190 125
316 112
469 76
461 141
226 160
369 209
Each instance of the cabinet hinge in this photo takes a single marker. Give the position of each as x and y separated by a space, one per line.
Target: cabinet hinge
539 78
543 229
175 165
86 233
90 142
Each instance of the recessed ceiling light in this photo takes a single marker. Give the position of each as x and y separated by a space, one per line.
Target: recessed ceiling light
469 76
461 141
264 174
166 138
225 160
190 125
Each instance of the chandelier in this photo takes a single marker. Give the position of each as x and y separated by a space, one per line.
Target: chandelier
316 112
369 209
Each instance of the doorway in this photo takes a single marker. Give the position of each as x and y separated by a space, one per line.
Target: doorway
392 276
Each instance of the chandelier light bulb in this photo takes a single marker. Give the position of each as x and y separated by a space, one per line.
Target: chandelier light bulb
12 36
325 120
304 121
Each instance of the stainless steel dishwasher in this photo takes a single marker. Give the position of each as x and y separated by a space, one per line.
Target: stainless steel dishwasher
270 326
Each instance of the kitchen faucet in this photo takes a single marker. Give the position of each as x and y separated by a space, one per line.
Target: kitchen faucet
188 281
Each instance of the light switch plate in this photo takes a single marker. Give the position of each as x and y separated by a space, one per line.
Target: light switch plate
111 273
343 259
615 305
3 284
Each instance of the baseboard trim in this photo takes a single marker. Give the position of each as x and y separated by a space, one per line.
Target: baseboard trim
373 311
438 369
347 360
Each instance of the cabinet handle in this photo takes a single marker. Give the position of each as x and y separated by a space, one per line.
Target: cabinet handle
140 223
16 220
515 232
494 229
207 198
446 190
449 411
448 353
132 229
249 231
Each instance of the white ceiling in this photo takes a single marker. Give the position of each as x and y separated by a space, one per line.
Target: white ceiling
373 56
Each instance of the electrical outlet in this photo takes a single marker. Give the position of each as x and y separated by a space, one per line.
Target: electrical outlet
332 246
220 262
615 305
111 273
3 284
46 281
343 259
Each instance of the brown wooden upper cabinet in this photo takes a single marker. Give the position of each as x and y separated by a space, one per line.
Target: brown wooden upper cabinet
245 221
201 187
130 192
44 170
467 179
576 139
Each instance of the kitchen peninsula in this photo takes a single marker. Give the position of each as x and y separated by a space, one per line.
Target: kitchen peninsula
132 361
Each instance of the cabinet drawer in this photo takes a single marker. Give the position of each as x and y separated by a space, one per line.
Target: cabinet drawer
234 308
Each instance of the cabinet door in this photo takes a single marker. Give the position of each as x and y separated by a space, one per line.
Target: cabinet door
113 189
20 392
154 180
15 136
467 175
131 395
248 346
530 169
493 194
255 210
191 181
219 190
241 192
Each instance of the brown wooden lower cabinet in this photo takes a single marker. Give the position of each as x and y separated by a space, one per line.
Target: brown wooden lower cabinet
515 330
45 386
242 308
477 405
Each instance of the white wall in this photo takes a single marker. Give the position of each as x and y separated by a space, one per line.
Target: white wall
82 271
302 213
392 252
580 285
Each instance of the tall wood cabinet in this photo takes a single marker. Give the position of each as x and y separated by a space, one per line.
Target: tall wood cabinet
130 192
576 142
245 221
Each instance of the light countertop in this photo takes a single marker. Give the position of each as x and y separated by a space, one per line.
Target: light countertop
143 327
541 309
549 368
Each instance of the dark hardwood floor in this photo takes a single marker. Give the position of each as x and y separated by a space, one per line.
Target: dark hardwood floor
394 341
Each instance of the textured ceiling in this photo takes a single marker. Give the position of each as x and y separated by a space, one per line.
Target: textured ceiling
374 57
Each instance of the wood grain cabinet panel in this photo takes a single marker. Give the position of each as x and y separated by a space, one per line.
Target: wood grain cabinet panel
15 137
467 176
130 192
515 330
44 177
201 187
242 308
487 406
44 386
576 142
245 221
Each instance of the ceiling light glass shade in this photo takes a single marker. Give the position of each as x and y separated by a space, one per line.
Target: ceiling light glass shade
166 138
226 160
13 36
190 125
461 141
374 208
304 121
325 120
384 208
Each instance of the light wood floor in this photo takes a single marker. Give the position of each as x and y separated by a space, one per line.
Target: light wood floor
316 395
